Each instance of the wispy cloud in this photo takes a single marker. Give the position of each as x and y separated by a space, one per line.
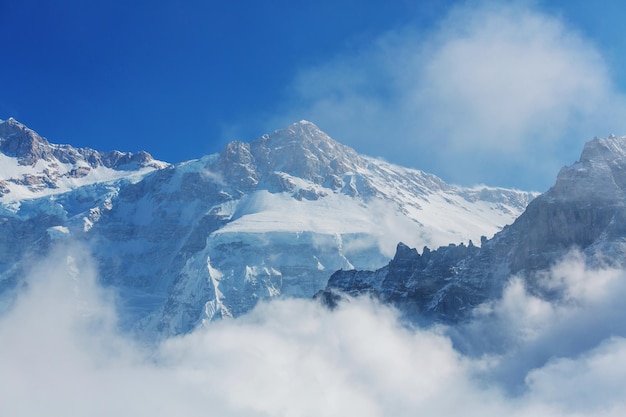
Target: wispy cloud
500 94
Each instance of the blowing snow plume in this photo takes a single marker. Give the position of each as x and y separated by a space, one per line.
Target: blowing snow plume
61 355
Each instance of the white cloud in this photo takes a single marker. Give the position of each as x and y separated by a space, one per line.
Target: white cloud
594 381
60 355
522 332
503 78
500 94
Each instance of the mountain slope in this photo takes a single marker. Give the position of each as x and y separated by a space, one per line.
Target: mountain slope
209 238
585 211
49 191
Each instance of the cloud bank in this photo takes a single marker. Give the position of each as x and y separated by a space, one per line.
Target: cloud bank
497 94
522 356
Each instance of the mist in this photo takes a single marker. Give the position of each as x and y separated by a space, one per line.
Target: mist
62 354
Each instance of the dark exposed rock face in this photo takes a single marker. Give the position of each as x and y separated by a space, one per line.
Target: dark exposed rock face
585 210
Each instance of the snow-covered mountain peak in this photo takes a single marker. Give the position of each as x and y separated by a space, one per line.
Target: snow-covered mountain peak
304 149
19 141
604 149
300 151
306 135
304 163
599 175
30 166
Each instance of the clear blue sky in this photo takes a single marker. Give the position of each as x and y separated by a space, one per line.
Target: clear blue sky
502 93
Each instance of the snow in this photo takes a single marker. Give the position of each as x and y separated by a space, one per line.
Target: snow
263 211
441 219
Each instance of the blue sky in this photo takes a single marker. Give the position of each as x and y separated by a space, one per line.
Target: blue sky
501 93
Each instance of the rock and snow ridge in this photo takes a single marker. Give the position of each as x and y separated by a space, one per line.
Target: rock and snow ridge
584 211
188 243
31 167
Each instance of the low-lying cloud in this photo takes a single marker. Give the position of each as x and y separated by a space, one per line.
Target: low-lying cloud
524 334
521 356
516 88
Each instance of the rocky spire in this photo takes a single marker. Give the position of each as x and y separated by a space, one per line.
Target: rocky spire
23 143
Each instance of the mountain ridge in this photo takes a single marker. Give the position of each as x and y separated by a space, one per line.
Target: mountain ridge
32 166
204 239
585 211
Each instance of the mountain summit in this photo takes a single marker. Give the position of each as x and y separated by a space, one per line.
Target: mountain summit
600 174
301 150
304 151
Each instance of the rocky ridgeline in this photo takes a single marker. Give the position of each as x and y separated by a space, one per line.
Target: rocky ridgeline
585 210
28 147
51 165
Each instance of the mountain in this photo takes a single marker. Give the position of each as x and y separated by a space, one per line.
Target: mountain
208 238
585 210
32 167
46 188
